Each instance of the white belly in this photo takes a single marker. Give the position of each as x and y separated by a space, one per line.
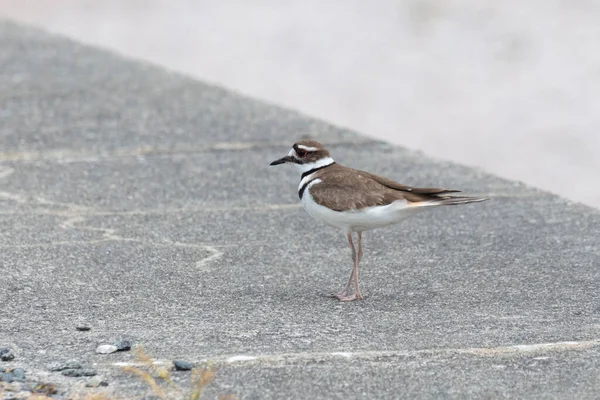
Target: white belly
359 220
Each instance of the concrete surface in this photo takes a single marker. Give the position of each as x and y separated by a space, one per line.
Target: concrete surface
140 203
511 87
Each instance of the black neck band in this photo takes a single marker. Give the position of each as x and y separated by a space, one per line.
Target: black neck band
305 174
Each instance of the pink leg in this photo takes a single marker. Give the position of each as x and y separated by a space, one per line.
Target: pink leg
344 296
357 293
344 292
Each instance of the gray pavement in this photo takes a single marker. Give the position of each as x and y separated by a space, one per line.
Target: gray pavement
508 86
140 203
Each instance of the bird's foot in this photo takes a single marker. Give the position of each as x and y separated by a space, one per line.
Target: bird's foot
351 297
344 296
343 293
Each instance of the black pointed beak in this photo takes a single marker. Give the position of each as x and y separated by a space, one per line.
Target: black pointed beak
282 160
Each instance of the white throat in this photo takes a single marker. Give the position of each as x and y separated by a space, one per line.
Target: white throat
323 162
317 164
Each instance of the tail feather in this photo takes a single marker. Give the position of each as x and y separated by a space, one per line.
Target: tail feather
456 200
450 201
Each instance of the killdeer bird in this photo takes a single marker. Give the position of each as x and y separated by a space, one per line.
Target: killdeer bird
356 201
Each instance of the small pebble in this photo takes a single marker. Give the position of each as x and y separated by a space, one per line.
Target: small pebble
71 372
73 364
6 377
95 382
123 345
76 373
183 365
83 328
56 366
106 349
6 354
9 396
19 374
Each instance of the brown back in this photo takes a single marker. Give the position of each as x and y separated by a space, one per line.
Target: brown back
344 188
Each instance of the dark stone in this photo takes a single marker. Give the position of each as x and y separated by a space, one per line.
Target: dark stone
57 366
182 365
75 373
123 345
19 374
88 372
60 366
71 372
83 328
6 377
6 354
72 364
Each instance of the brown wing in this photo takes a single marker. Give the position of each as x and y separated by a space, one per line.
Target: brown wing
398 186
340 197
344 188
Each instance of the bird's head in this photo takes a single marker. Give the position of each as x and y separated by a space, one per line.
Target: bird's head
306 155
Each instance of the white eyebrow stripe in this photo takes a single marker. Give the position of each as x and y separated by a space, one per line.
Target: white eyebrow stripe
301 146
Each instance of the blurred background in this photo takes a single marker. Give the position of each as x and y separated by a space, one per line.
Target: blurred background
511 86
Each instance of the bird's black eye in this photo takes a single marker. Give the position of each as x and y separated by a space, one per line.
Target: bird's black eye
301 153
